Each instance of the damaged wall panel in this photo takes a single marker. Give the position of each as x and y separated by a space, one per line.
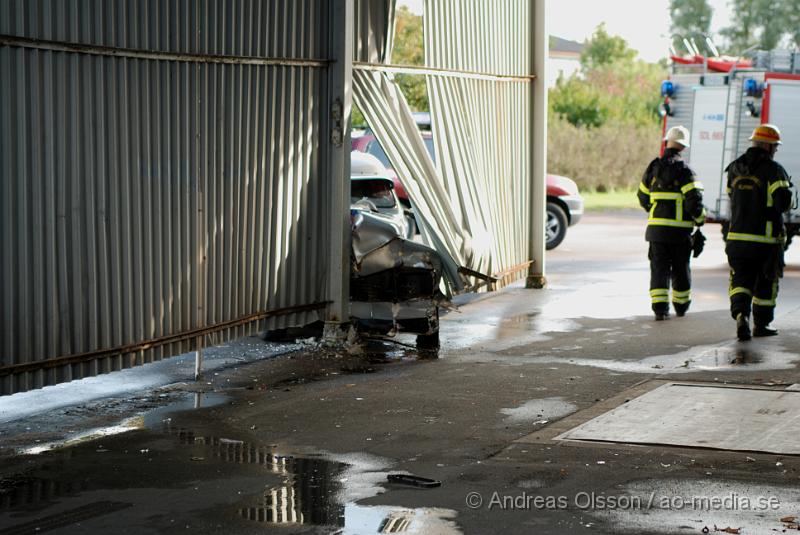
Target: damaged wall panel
481 127
474 203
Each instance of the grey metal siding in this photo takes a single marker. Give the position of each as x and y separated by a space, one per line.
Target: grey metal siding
146 198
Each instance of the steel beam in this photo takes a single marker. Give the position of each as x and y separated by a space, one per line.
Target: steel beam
340 80
538 148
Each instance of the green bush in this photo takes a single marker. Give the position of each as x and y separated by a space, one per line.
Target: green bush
622 91
578 102
604 126
608 157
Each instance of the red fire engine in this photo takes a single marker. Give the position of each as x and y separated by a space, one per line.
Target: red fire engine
721 101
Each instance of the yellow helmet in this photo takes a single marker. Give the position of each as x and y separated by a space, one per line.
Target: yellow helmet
767 133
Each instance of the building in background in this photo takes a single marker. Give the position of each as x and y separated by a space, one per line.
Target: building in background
564 59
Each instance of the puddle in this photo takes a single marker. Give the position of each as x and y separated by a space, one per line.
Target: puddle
732 357
505 332
193 401
539 411
388 352
677 506
318 489
322 490
50 424
121 386
27 492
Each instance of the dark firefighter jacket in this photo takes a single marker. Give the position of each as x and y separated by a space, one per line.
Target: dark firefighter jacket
759 191
673 197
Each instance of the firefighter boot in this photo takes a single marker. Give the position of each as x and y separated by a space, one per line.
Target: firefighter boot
763 330
742 327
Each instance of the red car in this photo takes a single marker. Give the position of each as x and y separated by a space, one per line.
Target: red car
564 203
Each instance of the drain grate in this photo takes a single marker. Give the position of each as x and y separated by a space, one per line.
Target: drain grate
66 518
701 416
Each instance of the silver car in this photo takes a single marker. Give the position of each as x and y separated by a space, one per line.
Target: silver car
394 281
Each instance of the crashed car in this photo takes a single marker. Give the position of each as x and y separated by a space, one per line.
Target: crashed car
394 281
564 202
371 188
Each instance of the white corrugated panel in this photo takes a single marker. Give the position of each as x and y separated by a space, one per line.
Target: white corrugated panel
474 204
386 110
482 127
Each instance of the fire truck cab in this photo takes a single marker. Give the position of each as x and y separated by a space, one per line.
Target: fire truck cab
721 101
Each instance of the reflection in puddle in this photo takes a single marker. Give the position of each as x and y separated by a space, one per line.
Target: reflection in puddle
314 490
521 319
322 491
505 332
391 351
731 357
746 356
196 400
33 492
307 497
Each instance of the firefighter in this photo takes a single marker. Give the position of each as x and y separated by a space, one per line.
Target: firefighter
673 197
759 191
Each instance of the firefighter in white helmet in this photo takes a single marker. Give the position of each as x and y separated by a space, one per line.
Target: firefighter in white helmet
760 193
673 196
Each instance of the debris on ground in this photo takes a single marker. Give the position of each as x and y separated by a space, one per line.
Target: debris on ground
414 481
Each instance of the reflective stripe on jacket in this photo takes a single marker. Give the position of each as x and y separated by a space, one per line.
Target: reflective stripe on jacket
673 197
759 191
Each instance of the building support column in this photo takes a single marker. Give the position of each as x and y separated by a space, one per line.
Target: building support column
337 140
538 148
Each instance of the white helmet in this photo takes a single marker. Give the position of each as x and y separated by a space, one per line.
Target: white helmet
678 134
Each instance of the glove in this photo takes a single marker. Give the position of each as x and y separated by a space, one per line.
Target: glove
698 242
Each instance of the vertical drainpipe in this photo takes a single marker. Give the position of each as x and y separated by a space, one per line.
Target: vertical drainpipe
337 144
538 147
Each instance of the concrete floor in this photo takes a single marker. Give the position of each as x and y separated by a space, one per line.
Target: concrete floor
302 443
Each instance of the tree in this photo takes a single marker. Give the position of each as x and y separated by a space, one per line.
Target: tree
604 49
408 50
690 17
790 14
764 24
613 86
578 102
408 43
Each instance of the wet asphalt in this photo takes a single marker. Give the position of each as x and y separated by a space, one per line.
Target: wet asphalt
304 442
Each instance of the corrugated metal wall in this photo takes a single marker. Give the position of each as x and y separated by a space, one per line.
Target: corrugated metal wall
149 197
482 127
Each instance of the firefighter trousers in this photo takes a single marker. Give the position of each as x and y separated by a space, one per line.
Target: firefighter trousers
753 281
669 262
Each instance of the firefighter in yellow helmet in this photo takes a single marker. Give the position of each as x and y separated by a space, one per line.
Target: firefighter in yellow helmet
759 191
673 196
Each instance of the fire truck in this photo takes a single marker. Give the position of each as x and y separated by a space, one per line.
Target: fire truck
721 101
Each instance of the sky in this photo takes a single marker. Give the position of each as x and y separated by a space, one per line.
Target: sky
643 23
